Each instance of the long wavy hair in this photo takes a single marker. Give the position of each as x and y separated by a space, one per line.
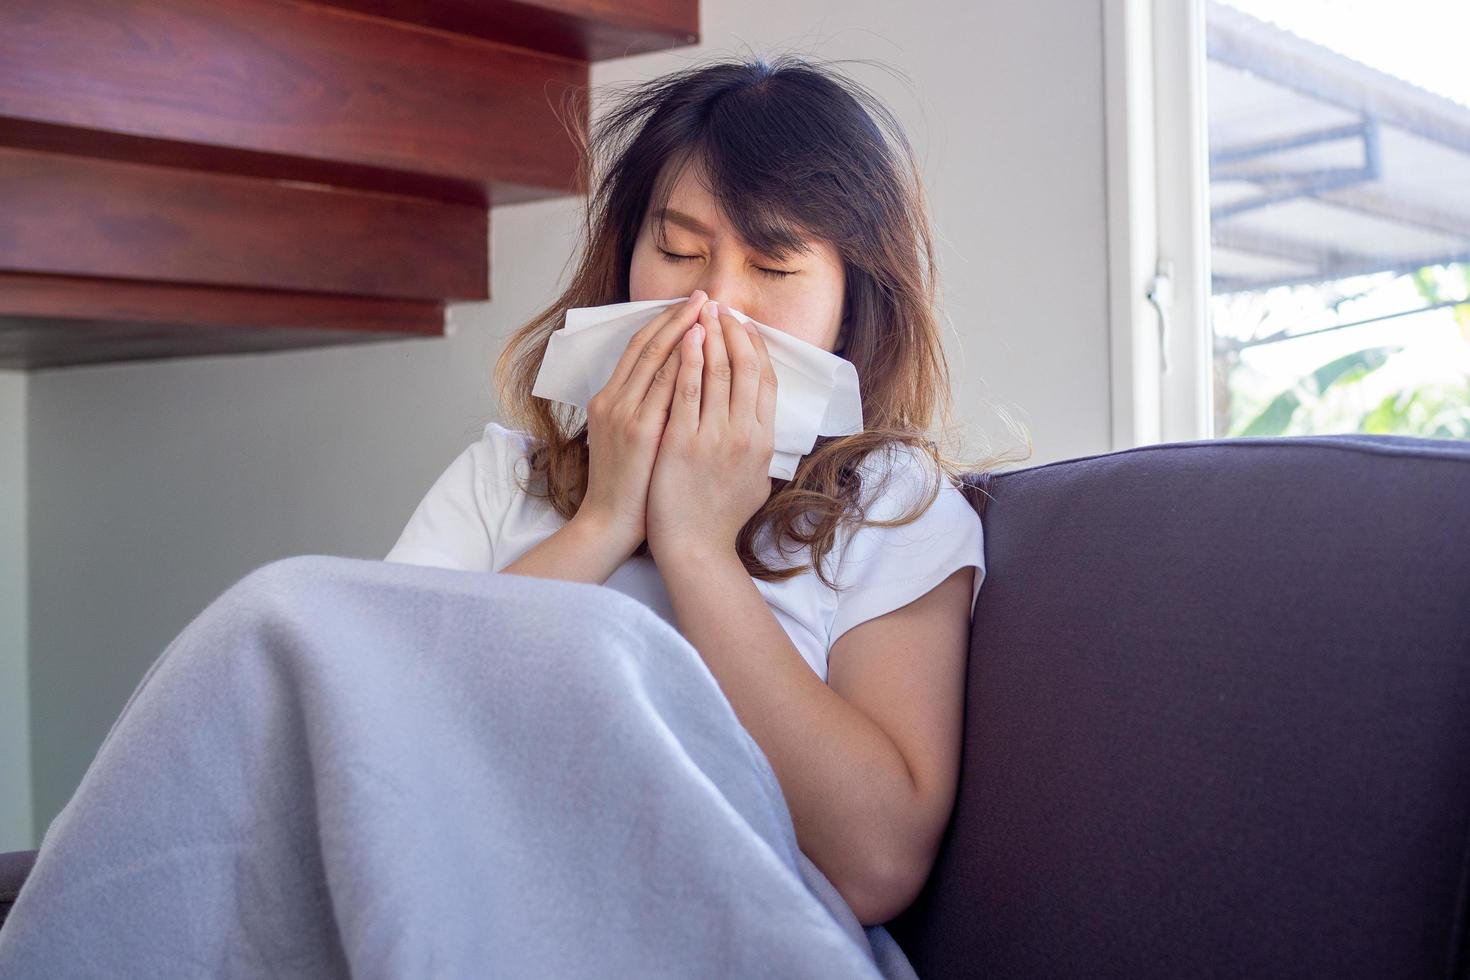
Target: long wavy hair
791 150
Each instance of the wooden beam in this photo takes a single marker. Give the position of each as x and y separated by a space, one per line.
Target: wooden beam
75 216
41 344
250 83
57 321
25 134
588 30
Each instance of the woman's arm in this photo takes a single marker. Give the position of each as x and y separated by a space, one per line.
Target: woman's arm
581 550
853 802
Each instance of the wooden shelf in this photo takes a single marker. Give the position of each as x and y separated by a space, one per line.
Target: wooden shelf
57 321
584 30
180 178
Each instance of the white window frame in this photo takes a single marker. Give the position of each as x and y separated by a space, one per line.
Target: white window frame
1157 179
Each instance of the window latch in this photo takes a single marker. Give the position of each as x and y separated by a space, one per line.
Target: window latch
1161 295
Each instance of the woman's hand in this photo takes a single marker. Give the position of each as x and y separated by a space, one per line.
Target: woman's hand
625 421
712 471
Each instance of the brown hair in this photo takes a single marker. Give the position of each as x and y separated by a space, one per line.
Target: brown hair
790 150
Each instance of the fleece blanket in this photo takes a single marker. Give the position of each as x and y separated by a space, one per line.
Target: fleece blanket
345 767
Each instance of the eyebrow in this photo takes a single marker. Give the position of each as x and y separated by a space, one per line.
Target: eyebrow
686 220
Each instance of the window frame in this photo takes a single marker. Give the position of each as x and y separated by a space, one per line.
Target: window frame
1157 188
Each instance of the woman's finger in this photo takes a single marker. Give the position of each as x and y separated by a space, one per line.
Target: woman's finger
655 405
765 402
715 411
651 346
684 413
745 370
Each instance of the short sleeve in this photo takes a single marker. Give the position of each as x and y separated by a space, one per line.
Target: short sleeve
885 568
458 522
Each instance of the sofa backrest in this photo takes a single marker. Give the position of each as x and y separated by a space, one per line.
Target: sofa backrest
1218 719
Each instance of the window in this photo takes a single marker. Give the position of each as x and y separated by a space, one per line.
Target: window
1339 176
1308 163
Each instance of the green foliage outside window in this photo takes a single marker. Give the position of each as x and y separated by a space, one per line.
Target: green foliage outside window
1434 409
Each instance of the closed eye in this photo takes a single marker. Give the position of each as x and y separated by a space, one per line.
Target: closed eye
773 273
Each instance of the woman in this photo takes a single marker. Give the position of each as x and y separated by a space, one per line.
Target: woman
362 768
767 188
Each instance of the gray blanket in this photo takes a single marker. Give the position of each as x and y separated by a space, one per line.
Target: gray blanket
357 768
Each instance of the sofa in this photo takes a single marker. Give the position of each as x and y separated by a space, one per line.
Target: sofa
1218 719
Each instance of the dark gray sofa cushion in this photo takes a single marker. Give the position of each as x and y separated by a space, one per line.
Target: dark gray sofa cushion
1218 719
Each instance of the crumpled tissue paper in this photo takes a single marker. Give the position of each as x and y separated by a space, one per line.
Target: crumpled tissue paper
816 391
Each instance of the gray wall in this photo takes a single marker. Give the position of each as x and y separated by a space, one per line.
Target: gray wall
154 486
15 746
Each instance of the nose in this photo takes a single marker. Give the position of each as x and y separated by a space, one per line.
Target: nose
724 287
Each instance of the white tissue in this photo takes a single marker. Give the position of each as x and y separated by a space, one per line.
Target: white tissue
816 391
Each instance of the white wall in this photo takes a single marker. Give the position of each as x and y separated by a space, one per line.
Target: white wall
157 485
16 831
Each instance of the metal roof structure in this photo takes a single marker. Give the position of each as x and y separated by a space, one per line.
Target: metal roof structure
1322 167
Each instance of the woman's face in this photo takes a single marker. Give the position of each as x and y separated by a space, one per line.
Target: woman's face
806 304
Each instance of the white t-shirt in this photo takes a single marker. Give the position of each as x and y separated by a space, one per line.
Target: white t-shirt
476 518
